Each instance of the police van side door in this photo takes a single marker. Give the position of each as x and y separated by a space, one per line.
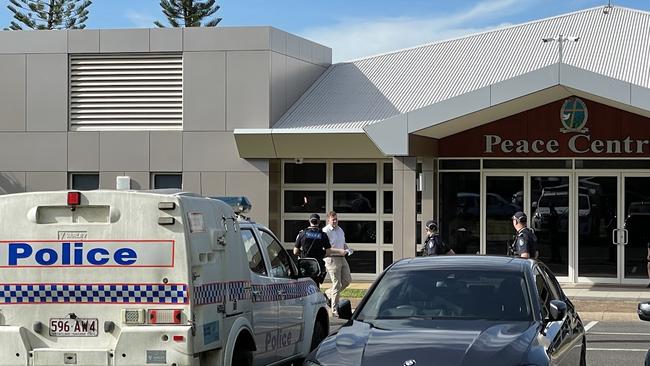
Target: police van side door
265 309
291 295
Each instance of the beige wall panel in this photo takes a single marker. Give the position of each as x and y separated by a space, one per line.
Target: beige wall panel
83 40
278 86
34 42
248 94
213 183
13 87
255 186
192 182
46 181
139 180
47 92
166 39
222 39
123 40
12 182
83 151
166 151
33 151
124 151
107 180
204 90
215 151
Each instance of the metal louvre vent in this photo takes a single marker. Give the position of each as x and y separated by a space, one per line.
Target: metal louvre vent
126 92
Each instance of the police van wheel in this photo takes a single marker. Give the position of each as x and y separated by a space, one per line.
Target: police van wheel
242 357
318 336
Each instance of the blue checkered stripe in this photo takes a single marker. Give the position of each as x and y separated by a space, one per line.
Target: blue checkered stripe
292 290
93 294
214 293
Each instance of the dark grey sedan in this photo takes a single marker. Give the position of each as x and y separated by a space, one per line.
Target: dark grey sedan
459 310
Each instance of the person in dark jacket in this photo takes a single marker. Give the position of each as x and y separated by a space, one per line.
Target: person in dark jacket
433 244
525 243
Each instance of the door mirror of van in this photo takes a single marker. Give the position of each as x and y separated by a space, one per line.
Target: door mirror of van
534 204
308 267
345 309
643 310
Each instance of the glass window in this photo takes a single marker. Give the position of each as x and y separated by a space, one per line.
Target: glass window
448 294
460 164
355 173
305 173
84 182
359 231
504 197
543 292
280 259
388 173
304 201
355 201
388 202
162 181
388 259
363 262
388 232
459 211
255 259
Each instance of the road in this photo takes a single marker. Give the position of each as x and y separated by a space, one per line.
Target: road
620 344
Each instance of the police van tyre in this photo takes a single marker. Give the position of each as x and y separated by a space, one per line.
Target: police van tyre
319 334
242 355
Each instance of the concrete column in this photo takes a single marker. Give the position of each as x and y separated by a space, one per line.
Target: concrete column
404 217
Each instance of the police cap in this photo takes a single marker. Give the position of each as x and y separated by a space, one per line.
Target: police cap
431 225
520 217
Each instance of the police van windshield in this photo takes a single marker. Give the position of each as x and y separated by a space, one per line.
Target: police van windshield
449 294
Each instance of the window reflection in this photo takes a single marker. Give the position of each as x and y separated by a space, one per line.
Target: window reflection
459 208
355 201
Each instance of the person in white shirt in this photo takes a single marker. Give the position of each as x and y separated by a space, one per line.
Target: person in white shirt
337 266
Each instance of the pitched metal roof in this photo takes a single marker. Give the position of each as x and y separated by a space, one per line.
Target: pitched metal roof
351 95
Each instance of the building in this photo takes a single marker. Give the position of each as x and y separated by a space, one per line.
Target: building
467 130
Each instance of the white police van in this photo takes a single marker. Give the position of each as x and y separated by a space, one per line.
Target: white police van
148 278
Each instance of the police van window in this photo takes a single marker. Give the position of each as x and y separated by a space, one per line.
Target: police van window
280 260
255 260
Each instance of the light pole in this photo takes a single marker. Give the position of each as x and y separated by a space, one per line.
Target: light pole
560 41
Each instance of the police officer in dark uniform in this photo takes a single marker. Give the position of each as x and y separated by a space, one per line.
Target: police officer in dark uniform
525 244
314 243
433 244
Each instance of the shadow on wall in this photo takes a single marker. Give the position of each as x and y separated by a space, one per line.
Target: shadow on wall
9 184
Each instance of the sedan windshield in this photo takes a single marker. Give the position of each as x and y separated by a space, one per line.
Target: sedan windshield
449 294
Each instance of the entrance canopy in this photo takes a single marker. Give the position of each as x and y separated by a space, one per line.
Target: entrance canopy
504 99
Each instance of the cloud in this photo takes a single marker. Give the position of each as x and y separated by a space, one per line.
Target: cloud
140 19
361 37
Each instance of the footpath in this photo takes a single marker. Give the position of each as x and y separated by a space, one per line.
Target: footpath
600 302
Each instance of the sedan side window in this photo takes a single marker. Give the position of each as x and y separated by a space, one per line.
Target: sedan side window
253 253
281 265
544 293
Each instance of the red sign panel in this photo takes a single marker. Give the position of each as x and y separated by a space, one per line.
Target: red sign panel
571 127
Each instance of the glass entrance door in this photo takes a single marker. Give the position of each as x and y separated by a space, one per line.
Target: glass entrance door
636 227
598 232
550 217
504 195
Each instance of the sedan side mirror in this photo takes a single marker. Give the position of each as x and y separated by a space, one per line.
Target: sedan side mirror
557 310
308 267
345 309
643 310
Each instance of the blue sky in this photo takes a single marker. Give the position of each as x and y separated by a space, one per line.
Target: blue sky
354 28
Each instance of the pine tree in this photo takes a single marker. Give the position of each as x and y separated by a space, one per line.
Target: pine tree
49 14
189 13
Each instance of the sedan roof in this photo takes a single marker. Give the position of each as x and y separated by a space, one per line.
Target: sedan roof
485 262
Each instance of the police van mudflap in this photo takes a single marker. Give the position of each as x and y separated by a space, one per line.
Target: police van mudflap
130 278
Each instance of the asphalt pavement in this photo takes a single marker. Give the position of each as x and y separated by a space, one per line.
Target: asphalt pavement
617 343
